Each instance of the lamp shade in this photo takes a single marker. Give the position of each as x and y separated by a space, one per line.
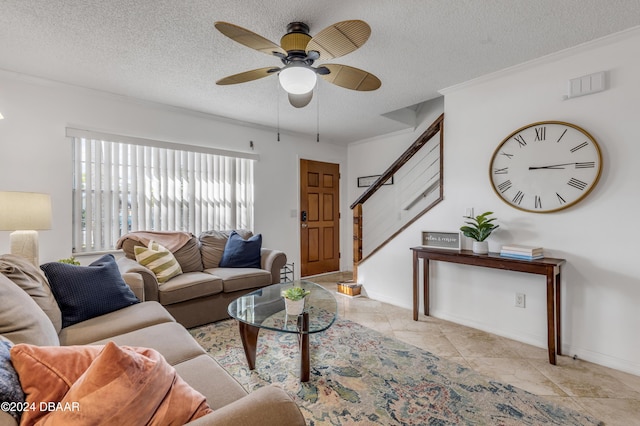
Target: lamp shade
297 80
24 211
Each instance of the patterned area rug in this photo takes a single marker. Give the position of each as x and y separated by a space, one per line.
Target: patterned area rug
359 376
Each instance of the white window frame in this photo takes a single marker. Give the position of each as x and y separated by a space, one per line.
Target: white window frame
170 187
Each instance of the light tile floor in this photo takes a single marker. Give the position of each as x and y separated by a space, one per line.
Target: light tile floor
609 395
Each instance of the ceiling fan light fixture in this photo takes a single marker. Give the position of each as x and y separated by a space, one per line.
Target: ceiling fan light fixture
300 101
297 80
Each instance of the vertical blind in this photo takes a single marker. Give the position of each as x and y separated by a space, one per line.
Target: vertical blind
120 187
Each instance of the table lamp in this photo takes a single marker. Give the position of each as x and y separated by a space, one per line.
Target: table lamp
25 213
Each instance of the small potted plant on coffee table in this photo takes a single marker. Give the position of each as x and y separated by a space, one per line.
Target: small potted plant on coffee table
294 298
478 229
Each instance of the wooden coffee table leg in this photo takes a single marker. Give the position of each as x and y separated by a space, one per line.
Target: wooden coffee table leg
303 326
249 336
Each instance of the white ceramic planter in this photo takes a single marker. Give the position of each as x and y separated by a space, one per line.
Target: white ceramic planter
481 247
294 307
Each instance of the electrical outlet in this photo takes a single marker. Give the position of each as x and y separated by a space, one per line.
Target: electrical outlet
520 300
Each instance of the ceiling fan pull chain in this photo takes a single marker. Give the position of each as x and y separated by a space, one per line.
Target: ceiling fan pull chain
278 107
318 113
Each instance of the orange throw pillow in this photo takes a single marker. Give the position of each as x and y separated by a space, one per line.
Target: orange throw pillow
121 386
125 387
47 373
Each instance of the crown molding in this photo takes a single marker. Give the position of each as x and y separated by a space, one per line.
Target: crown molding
552 57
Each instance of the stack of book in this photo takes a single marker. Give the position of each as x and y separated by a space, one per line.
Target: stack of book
515 251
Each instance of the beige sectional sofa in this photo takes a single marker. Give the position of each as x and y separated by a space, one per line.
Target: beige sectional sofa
202 293
28 315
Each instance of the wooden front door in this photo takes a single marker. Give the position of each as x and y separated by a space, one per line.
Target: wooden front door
319 217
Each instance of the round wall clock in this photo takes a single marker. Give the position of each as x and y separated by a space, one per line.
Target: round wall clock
546 166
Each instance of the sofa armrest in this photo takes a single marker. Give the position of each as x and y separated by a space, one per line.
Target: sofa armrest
128 266
267 406
272 261
136 283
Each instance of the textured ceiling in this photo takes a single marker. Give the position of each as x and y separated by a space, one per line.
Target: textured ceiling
168 51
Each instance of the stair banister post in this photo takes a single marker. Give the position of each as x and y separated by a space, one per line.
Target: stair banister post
357 239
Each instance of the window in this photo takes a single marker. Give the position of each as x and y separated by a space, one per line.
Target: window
122 184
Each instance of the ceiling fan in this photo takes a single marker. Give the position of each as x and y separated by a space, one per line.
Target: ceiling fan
298 51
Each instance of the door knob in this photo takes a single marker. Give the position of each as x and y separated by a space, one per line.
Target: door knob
304 225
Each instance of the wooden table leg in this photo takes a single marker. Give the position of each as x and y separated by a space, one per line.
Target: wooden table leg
425 285
303 326
551 329
249 336
415 286
558 283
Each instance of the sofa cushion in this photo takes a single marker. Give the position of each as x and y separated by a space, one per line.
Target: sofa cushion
158 260
212 245
10 388
189 286
32 280
210 379
21 319
85 292
123 320
171 339
241 253
134 386
188 256
268 406
235 279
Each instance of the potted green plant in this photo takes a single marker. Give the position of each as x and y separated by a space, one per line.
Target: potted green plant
70 260
294 298
478 229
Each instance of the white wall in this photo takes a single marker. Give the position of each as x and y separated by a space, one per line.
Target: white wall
36 156
600 283
373 156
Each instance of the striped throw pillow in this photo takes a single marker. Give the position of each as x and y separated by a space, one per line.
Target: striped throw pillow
159 260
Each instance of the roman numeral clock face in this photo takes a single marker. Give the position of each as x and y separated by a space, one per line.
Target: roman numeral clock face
545 166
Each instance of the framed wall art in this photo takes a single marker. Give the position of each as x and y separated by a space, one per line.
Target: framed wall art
365 181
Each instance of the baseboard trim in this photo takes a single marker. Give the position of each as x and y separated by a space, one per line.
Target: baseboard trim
604 360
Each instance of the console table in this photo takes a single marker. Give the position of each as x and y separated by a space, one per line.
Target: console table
549 267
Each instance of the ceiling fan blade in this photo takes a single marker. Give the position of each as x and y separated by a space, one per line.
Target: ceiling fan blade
300 101
248 38
243 77
340 38
351 78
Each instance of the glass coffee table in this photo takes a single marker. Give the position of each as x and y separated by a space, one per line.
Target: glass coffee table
264 308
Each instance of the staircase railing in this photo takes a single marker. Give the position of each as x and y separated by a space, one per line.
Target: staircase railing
421 188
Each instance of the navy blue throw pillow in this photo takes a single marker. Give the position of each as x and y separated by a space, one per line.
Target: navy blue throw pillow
241 253
85 292
10 389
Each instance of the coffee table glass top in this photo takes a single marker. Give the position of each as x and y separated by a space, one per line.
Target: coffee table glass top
264 308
